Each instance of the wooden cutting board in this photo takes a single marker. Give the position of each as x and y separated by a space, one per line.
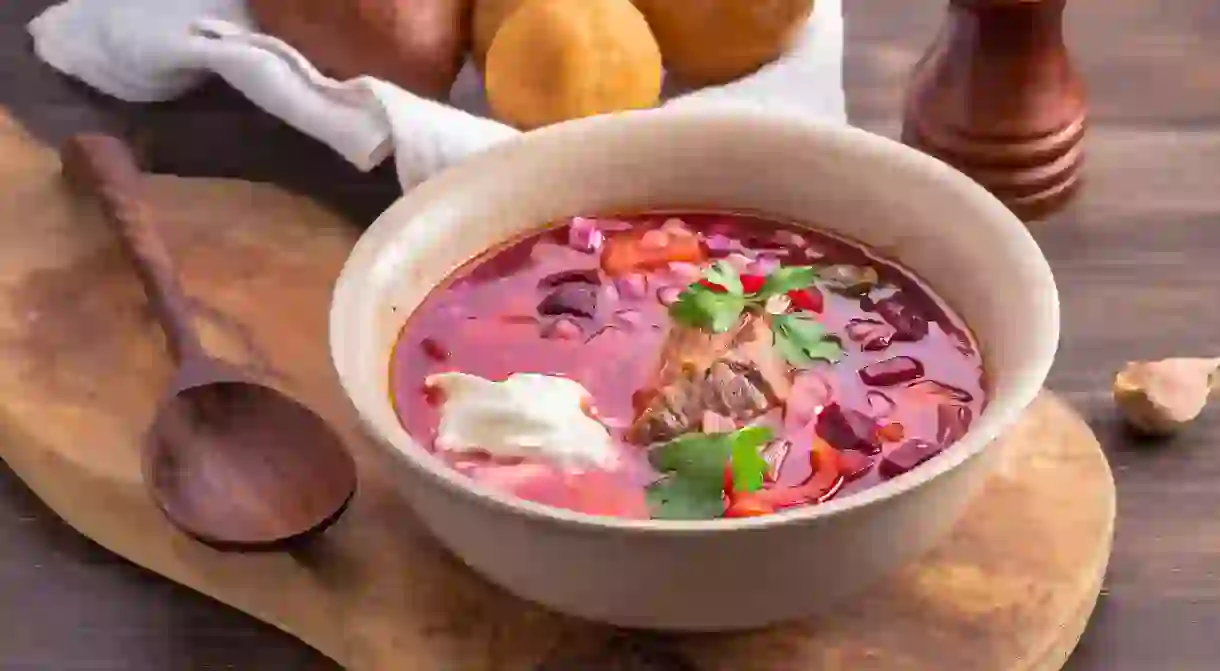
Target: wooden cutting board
81 366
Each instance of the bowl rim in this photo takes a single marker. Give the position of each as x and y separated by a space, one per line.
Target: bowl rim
397 216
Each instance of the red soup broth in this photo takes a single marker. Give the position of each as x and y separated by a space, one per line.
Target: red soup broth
909 382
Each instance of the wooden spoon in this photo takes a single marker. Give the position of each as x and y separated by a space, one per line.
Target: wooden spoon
233 463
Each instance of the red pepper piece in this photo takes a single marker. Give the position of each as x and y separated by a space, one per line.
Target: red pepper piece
808 299
752 284
713 286
748 505
824 482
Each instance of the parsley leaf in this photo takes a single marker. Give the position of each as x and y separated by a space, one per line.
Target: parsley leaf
701 307
695 463
697 455
749 466
803 340
679 498
799 337
724 274
788 278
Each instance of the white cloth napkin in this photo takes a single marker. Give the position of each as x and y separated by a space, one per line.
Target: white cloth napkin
155 50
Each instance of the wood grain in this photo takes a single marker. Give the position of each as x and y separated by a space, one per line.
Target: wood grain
1010 590
1145 227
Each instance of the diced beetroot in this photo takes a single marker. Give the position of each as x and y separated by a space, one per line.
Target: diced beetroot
952 421
577 276
808 299
873 335
892 371
854 465
909 325
848 429
752 284
579 300
940 391
907 456
434 349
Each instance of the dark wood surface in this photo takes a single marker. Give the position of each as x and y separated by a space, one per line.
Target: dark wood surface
1135 260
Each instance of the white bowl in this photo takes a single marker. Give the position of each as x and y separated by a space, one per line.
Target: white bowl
717 574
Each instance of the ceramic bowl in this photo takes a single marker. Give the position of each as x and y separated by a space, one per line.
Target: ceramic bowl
717 574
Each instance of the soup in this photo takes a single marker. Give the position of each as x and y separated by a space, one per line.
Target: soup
684 366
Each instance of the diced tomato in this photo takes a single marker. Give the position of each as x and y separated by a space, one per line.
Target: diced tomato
808 299
728 479
713 286
748 505
752 284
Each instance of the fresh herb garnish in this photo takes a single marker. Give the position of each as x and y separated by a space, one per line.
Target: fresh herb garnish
749 466
701 307
696 463
803 340
717 302
789 278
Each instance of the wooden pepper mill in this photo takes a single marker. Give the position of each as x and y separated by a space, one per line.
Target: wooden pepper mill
996 96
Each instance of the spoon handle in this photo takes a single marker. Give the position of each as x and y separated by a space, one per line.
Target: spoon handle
106 168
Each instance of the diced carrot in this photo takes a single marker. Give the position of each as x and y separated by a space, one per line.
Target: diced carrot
624 254
891 433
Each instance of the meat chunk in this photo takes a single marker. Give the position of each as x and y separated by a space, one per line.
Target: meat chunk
736 375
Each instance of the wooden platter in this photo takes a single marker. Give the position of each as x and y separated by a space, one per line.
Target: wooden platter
81 365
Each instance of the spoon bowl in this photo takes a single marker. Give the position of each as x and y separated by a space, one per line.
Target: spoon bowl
237 463
233 463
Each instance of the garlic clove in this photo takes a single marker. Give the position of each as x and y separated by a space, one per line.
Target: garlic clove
1157 398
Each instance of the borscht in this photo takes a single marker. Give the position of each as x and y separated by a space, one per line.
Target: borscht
684 366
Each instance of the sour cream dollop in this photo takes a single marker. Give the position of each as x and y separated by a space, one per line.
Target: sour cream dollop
528 416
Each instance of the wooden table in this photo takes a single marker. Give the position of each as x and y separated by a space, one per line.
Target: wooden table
1136 260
